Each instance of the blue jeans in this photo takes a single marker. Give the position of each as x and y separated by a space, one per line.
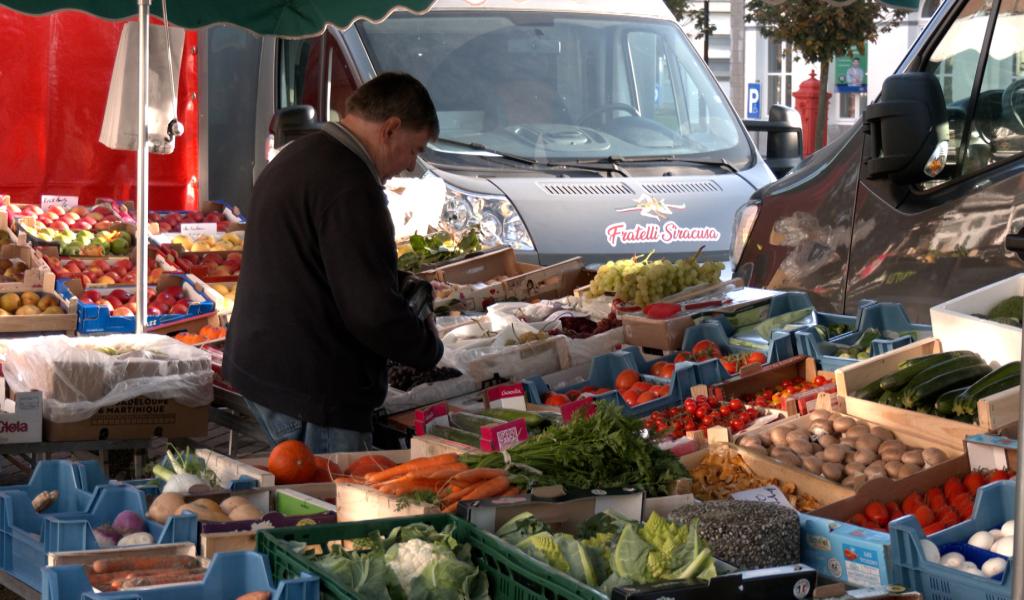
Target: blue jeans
321 440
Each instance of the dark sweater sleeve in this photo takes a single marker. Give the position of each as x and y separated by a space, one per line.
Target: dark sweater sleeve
356 241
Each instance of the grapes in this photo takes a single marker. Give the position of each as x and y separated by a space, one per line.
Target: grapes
405 378
643 281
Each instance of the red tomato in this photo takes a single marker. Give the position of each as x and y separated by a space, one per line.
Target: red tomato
877 512
1000 475
756 358
681 357
708 421
736 404
690 425
701 412
911 503
973 481
924 516
752 413
630 396
626 379
724 410
820 381
730 366
690 405
646 397
952 488
737 425
556 399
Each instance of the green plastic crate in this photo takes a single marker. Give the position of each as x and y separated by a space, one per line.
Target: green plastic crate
512 574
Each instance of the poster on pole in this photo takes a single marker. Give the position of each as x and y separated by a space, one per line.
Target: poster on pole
852 72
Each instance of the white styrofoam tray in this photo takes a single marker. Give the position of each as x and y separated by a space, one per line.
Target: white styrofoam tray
953 322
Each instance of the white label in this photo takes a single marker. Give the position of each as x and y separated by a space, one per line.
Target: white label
769 494
63 201
513 403
198 228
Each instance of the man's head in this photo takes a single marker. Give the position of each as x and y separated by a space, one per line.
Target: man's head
856 62
394 117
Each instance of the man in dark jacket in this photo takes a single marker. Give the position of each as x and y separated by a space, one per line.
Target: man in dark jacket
318 309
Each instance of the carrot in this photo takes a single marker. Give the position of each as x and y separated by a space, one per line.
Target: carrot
111 565
481 474
347 479
450 508
172 576
98 579
447 472
459 495
410 485
418 465
254 596
488 489
512 491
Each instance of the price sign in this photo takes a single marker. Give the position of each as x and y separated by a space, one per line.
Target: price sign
495 438
769 494
198 228
584 407
507 396
47 201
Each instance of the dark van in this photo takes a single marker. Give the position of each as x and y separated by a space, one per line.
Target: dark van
922 201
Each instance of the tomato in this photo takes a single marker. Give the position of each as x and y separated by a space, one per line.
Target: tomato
911 503
646 397
924 515
626 380
690 405
556 399
752 413
713 402
820 380
973 481
701 412
932 493
573 394
936 503
690 425
662 369
630 396
724 410
708 421
737 425
681 357
894 510
705 349
736 404
756 358
953 487
642 386
877 512
730 366
1000 475
859 519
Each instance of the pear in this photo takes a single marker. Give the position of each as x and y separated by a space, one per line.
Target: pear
53 310
46 302
4 313
10 302
28 309
29 298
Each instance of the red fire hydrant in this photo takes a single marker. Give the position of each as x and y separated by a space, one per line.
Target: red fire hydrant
807 106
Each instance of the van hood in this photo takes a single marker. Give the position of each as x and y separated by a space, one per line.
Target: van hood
600 218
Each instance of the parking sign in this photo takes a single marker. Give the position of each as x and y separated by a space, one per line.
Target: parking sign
753 100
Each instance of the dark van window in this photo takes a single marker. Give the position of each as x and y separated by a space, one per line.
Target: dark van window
298 72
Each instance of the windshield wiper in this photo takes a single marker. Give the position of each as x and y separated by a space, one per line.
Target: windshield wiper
722 164
611 168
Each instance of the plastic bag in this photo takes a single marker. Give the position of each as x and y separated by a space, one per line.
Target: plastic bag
79 376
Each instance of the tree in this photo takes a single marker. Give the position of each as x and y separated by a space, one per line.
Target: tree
820 31
700 16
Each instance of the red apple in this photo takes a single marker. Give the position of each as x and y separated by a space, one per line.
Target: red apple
180 308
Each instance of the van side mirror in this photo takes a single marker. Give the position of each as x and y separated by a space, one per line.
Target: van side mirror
293 122
908 128
784 138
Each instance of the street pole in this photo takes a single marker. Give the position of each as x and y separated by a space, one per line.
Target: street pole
142 177
707 27
737 54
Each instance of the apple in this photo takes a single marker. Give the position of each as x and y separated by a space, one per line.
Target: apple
120 294
123 311
180 308
166 297
62 274
114 301
104 303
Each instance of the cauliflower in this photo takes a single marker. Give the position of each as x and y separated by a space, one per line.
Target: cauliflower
409 559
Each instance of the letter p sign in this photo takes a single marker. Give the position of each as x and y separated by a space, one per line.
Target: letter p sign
753 100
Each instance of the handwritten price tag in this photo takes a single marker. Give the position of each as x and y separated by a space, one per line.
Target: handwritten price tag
584 407
769 494
494 438
198 228
47 201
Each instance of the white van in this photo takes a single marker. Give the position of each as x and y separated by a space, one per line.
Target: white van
568 127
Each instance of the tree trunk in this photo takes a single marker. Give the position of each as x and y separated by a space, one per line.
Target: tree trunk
737 56
819 128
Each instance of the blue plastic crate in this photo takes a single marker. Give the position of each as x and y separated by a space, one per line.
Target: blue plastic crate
717 330
886 317
97 319
74 482
993 506
230 575
26 536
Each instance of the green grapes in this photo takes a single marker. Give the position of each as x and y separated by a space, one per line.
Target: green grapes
641 281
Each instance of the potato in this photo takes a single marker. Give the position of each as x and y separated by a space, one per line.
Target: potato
828 440
229 504
812 464
821 427
855 481
779 435
892 454
892 468
797 435
854 467
206 503
865 456
787 456
835 454
875 471
894 444
908 469
833 471
883 433
164 506
933 456
245 512
856 432
203 513
842 424
802 448
820 413
913 457
868 441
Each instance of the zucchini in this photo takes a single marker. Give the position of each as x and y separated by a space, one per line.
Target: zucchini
936 369
948 380
944 406
980 389
967 403
456 435
533 420
887 398
471 422
872 391
908 368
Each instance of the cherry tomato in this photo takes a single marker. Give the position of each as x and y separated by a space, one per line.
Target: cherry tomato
820 380
737 425
701 412
708 421
690 425
724 410
752 413
736 404
690 405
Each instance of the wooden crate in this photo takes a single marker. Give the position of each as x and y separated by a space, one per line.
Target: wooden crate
995 412
35 276
66 323
85 557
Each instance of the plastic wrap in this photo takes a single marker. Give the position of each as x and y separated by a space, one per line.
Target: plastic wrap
584 350
79 376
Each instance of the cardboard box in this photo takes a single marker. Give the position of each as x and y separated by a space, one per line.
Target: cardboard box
230 469
954 322
35 274
136 419
754 379
856 555
991 451
995 412
21 416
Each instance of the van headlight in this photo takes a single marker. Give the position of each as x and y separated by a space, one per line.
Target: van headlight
743 224
497 219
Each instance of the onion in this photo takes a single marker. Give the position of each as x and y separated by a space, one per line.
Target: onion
182 483
106 536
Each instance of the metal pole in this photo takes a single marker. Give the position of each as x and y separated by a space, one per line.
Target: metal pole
1017 591
142 177
707 26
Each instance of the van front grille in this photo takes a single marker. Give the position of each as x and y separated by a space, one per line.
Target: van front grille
691 187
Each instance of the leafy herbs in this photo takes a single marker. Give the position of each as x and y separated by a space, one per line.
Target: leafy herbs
438 247
605 451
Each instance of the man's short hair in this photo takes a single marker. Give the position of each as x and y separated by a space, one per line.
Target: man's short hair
395 95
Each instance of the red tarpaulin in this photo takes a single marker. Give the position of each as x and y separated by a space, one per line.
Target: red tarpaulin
55 72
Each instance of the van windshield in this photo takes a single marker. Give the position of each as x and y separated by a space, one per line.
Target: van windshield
562 87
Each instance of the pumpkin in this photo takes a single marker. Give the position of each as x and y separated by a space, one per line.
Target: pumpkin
291 461
369 464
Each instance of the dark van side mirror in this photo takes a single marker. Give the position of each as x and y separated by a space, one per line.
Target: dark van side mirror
293 122
784 138
908 128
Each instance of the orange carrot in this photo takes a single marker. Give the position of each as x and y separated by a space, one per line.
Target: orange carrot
454 497
475 475
450 508
411 485
447 472
488 489
415 465
512 491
